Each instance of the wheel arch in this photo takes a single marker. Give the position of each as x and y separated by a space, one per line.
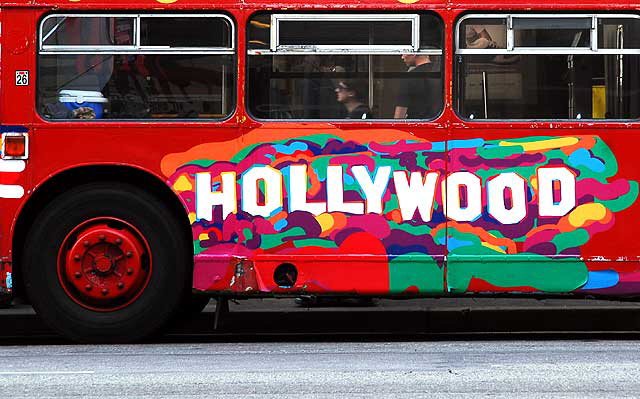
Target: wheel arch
78 176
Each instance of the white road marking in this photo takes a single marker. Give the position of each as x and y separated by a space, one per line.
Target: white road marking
44 372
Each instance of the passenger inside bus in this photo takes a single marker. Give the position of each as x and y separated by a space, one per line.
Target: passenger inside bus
419 97
351 95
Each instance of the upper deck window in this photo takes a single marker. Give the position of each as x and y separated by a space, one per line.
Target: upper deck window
367 32
136 66
618 33
532 66
345 66
186 32
570 32
88 31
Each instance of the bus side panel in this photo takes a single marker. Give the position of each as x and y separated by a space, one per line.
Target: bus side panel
291 202
16 96
583 247
5 267
613 253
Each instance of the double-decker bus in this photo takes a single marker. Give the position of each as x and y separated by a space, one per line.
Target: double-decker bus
158 151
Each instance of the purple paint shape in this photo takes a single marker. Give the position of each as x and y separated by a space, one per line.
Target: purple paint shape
539 238
399 147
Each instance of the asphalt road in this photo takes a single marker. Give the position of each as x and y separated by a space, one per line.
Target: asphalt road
443 369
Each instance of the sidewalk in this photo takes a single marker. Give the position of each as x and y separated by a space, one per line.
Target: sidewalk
415 316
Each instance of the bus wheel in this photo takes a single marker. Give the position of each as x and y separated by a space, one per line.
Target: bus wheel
106 262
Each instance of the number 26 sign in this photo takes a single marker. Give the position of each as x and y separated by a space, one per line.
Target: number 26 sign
22 78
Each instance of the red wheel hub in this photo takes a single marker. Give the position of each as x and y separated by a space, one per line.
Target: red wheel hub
104 264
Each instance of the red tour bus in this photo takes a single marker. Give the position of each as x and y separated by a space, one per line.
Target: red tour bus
159 151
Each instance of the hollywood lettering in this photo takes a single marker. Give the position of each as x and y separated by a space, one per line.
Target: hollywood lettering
506 193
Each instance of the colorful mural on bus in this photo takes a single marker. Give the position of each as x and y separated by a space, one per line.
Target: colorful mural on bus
533 201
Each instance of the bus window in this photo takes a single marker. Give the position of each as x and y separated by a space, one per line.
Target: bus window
86 31
547 67
178 66
328 66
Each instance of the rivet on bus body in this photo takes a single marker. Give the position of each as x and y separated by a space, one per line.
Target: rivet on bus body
129 271
129 254
105 291
118 241
88 287
77 257
121 285
86 243
102 237
78 274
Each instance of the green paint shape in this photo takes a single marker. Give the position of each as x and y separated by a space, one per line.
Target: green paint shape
197 248
498 152
268 241
622 202
537 271
570 239
601 150
421 272
314 242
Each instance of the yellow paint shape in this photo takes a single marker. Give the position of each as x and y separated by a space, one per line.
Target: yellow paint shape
182 184
408 1
166 1
494 247
192 217
542 144
203 236
325 220
586 212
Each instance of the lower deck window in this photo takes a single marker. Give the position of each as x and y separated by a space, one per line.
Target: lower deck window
329 86
548 66
136 66
549 86
135 86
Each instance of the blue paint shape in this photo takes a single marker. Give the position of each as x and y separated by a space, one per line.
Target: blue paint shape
453 243
601 279
290 149
280 224
398 250
583 157
437 146
348 180
471 143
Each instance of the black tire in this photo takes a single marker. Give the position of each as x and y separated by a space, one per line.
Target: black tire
157 300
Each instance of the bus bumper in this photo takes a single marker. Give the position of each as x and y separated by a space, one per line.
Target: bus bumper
6 284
